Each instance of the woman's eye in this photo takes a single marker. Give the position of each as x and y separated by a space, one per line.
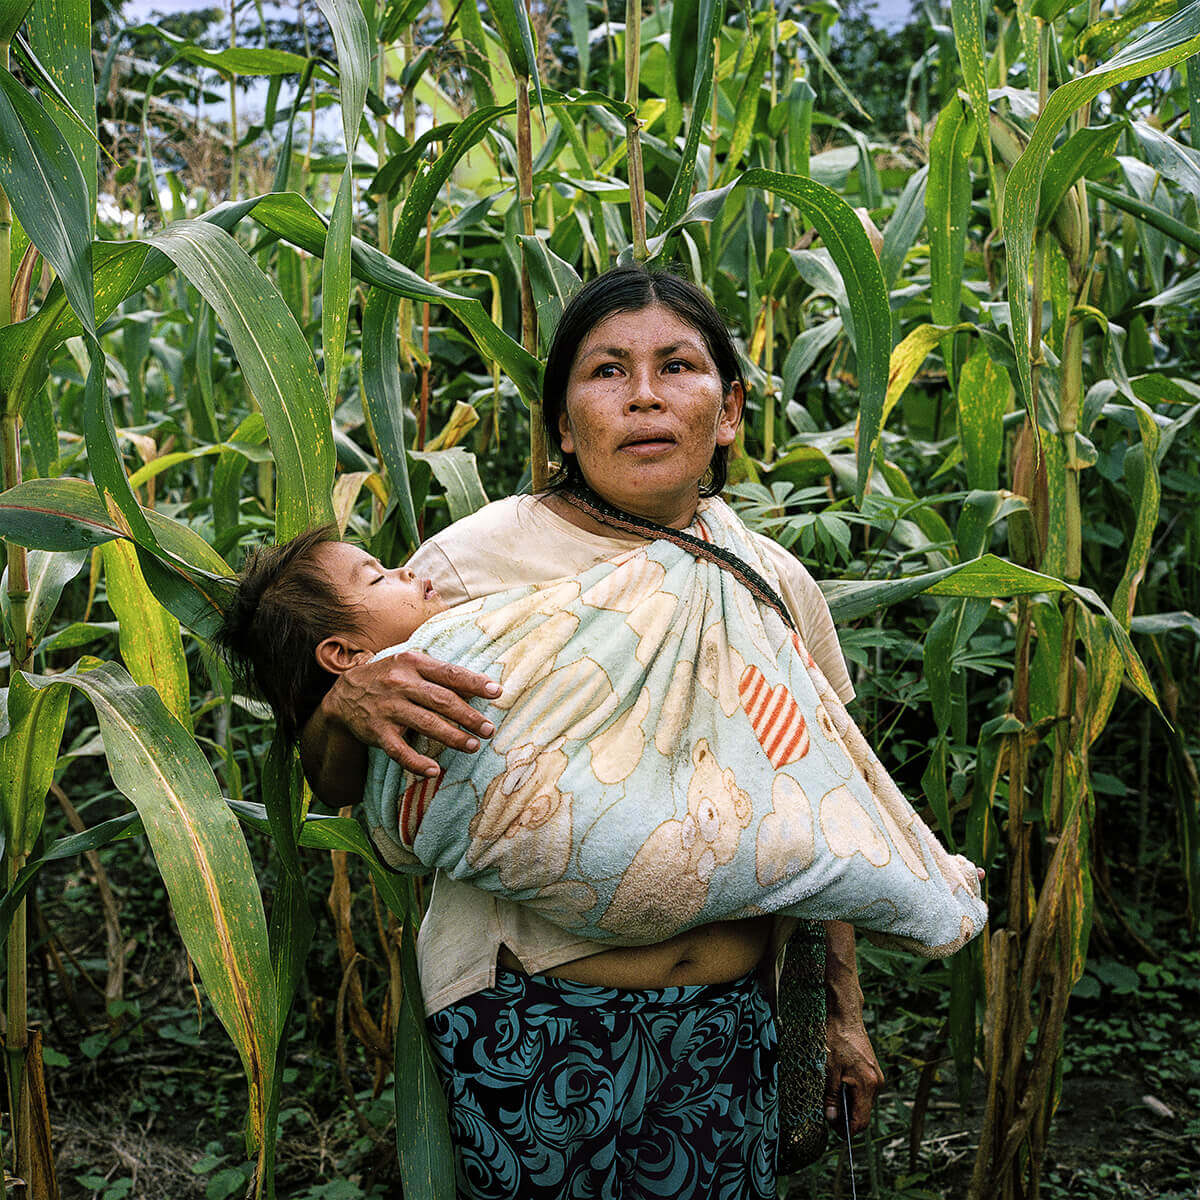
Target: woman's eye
676 366
374 581
607 371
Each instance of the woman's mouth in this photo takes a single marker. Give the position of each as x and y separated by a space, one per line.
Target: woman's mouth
648 445
431 593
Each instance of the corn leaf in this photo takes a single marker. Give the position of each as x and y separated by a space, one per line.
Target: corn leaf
276 362
384 400
201 855
149 637
1167 44
60 34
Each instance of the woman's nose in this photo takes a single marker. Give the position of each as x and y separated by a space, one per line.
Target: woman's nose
643 393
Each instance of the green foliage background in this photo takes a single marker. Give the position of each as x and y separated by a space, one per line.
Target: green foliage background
961 263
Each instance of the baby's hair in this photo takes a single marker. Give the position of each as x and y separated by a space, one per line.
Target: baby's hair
283 608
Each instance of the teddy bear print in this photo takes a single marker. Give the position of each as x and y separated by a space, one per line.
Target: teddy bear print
665 887
522 827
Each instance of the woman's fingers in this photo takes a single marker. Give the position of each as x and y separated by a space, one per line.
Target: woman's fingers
382 703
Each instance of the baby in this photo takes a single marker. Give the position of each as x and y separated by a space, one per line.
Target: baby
307 611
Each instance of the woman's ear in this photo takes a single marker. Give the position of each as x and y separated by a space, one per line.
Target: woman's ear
730 416
337 655
564 431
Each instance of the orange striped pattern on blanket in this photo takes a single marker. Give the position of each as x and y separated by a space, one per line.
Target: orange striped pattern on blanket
775 718
413 805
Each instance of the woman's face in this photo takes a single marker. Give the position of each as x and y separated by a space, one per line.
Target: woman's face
645 408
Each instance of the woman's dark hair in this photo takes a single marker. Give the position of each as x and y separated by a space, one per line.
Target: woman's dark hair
629 289
283 608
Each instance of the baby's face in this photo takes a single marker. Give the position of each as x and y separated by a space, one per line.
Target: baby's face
390 603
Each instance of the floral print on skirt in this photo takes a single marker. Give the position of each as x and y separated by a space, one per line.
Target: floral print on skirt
574 1092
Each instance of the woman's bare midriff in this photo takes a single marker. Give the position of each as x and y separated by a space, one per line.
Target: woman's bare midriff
716 953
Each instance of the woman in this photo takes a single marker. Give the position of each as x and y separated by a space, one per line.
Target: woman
572 1067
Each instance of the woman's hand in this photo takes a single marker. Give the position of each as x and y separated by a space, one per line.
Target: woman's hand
379 704
851 1060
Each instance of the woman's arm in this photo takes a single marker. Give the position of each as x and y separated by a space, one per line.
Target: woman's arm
380 704
851 1060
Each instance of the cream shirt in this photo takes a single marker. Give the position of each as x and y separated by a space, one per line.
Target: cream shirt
512 543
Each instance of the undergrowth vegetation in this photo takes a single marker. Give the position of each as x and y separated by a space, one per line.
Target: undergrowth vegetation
965 290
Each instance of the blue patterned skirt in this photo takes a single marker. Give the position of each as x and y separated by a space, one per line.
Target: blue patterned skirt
567 1091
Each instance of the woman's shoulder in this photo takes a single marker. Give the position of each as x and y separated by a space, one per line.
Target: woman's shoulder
495 517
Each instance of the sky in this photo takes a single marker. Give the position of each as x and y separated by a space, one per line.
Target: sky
888 14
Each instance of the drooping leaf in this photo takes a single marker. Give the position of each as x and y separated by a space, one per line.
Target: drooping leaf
987 577
187 576
276 362
456 470
151 646
201 856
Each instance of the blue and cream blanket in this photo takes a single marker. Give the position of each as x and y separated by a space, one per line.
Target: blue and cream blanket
667 753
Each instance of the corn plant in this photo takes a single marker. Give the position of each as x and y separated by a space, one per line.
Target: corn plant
1038 239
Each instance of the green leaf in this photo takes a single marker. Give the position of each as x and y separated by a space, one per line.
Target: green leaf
823 62
1082 152
384 401
236 60
1156 623
1162 47
352 38
276 362
189 578
1170 158
1155 217
12 13
948 208
49 573
710 16
983 395
745 109
422 1130
553 282
967 19
60 34
456 470
432 177
292 218
904 225
321 831
44 184
987 577
335 284
846 240
28 754
150 642
1101 37
201 856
